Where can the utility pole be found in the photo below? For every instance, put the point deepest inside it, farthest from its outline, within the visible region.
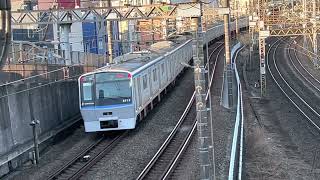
(5, 31)
(165, 28)
(262, 48)
(304, 5)
(315, 41)
(101, 33)
(228, 67)
(237, 17)
(201, 105)
(110, 35)
(65, 29)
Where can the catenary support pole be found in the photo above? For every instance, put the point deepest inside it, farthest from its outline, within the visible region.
(304, 6)
(228, 66)
(110, 35)
(314, 37)
(201, 106)
(5, 30)
(263, 81)
(237, 18)
(65, 42)
(262, 53)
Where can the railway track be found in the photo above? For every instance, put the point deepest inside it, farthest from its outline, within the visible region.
(168, 155)
(81, 163)
(302, 71)
(306, 108)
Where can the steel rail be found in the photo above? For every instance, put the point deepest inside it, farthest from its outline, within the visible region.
(308, 73)
(184, 146)
(162, 148)
(213, 71)
(170, 168)
(78, 173)
(93, 160)
(284, 92)
(175, 161)
(99, 156)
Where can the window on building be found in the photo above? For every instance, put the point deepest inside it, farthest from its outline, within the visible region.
(100, 44)
(87, 47)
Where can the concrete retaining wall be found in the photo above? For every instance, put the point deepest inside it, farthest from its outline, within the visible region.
(53, 105)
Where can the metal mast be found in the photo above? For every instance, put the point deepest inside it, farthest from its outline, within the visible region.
(262, 48)
(314, 37)
(227, 68)
(110, 35)
(200, 88)
(5, 30)
(304, 6)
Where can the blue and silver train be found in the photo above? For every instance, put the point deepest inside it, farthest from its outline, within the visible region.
(117, 96)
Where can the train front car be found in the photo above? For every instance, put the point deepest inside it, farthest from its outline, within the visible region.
(106, 101)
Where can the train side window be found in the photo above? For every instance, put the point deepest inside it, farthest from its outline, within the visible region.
(154, 75)
(145, 82)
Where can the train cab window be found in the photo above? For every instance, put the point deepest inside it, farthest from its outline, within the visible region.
(86, 87)
(154, 72)
(145, 82)
(112, 88)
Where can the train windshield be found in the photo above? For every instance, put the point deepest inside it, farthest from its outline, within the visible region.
(109, 88)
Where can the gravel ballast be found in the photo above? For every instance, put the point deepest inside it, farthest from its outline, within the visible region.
(279, 144)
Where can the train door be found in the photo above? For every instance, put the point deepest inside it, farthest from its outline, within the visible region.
(145, 88)
(169, 68)
(150, 82)
(166, 66)
(163, 74)
(172, 67)
(155, 79)
(138, 96)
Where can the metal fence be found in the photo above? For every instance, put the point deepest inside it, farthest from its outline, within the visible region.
(28, 62)
(236, 157)
(29, 53)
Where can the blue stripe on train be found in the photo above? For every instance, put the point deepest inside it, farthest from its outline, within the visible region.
(106, 107)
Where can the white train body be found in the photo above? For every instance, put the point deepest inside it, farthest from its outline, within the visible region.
(113, 98)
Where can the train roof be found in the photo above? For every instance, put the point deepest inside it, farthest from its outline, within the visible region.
(132, 62)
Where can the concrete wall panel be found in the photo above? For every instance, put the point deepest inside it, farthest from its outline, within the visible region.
(53, 105)
(5, 126)
(19, 114)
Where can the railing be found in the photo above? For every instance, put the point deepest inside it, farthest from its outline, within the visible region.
(35, 63)
(28, 53)
(236, 157)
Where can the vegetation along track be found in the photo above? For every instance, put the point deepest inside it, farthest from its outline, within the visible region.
(288, 90)
(166, 158)
(81, 163)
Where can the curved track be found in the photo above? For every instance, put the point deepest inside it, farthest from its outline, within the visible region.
(296, 96)
(303, 72)
(165, 160)
(81, 163)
